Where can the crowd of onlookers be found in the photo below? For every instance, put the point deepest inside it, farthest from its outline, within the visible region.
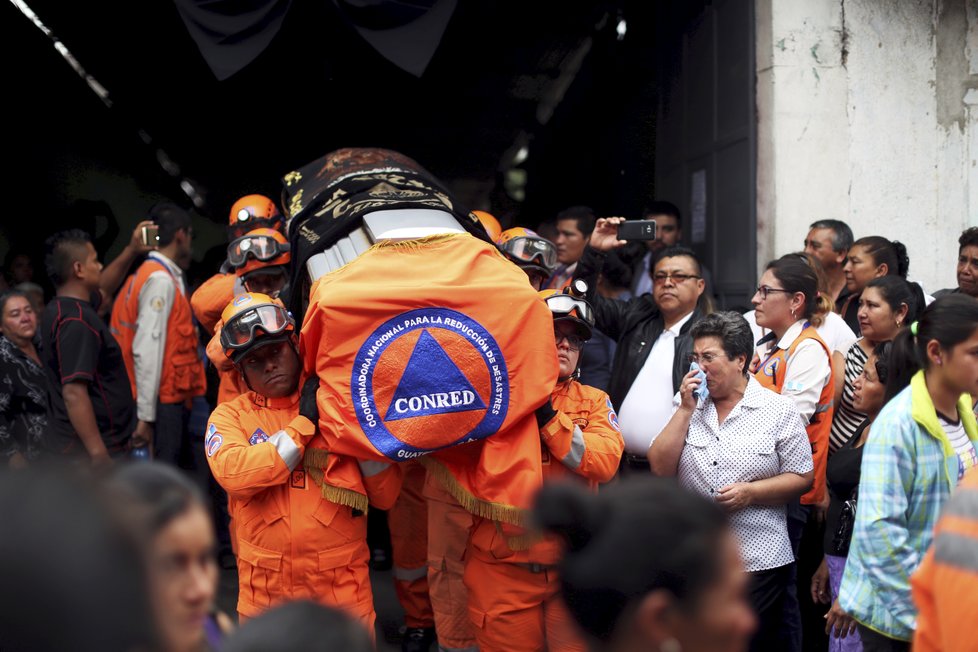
(818, 439)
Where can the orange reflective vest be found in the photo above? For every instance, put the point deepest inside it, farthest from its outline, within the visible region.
(582, 442)
(771, 374)
(293, 507)
(211, 298)
(944, 587)
(182, 376)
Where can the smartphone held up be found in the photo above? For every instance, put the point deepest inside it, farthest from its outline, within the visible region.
(150, 235)
(636, 230)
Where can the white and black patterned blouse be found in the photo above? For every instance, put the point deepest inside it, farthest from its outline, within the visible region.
(847, 419)
(23, 403)
(762, 437)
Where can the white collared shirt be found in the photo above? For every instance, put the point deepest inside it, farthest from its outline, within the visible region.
(647, 406)
(807, 371)
(762, 437)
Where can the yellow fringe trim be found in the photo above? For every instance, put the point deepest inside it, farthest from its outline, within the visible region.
(314, 462)
(521, 541)
(482, 508)
(415, 244)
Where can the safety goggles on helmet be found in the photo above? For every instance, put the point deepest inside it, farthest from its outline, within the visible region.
(259, 247)
(531, 250)
(240, 332)
(565, 305)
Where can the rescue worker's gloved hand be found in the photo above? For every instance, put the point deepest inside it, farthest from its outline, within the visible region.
(545, 413)
(307, 400)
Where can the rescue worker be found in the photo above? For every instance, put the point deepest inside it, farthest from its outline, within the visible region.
(448, 522)
(408, 523)
(260, 261)
(510, 574)
(298, 511)
(534, 255)
(153, 323)
(247, 214)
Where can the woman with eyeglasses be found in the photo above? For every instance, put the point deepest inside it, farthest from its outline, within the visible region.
(511, 575)
(793, 360)
(886, 305)
(842, 481)
(745, 447)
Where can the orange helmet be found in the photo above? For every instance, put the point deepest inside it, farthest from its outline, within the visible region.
(489, 223)
(528, 250)
(258, 249)
(251, 320)
(251, 212)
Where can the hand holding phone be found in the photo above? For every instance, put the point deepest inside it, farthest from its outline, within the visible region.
(636, 230)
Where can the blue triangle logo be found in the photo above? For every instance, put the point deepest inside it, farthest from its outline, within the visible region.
(432, 384)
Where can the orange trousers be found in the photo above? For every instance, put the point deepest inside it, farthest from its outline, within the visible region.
(515, 609)
(408, 522)
(448, 532)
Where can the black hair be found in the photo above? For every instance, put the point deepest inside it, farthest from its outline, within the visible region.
(796, 274)
(674, 252)
(171, 219)
(61, 251)
(882, 354)
(896, 292)
(663, 208)
(637, 536)
(73, 579)
(300, 626)
(969, 238)
(732, 330)
(7, 295)
(893, 254)
(950, 320)
(155, 494)
(841, 233)
(583, 215)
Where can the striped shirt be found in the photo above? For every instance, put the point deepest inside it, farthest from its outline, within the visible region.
(847, 418)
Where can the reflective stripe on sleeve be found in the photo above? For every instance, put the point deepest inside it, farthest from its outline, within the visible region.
(576, 454)
(957, 550)
(370, 468)
(409, 574)
(286, 448)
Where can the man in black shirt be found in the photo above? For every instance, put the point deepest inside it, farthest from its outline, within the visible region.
(92, 408)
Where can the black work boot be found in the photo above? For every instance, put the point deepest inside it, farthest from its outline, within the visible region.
(418, 639)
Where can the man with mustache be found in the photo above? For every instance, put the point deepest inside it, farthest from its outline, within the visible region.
(652, 333)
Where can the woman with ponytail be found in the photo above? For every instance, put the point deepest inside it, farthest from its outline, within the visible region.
(886, 305)
(870, 257)
(649, 566)
(922, 443)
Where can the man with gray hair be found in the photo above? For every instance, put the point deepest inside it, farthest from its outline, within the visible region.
(829, 241)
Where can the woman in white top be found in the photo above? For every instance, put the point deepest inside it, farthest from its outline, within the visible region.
(886, 305)
(745, 447)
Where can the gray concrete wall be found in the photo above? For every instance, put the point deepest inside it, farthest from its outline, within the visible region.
(868, 112)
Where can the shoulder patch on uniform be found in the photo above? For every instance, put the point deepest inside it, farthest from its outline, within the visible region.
(257, 437)
(156, 303)
(613, 416)
(214, 444)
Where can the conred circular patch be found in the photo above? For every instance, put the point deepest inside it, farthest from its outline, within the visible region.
(427, 379)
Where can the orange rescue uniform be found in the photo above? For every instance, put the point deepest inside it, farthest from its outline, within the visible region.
(212, 297)
(945, 586)
(182, 376)
(819, 426)
(292, 542)
(448, 532)
(408, 522)
(513, 595)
